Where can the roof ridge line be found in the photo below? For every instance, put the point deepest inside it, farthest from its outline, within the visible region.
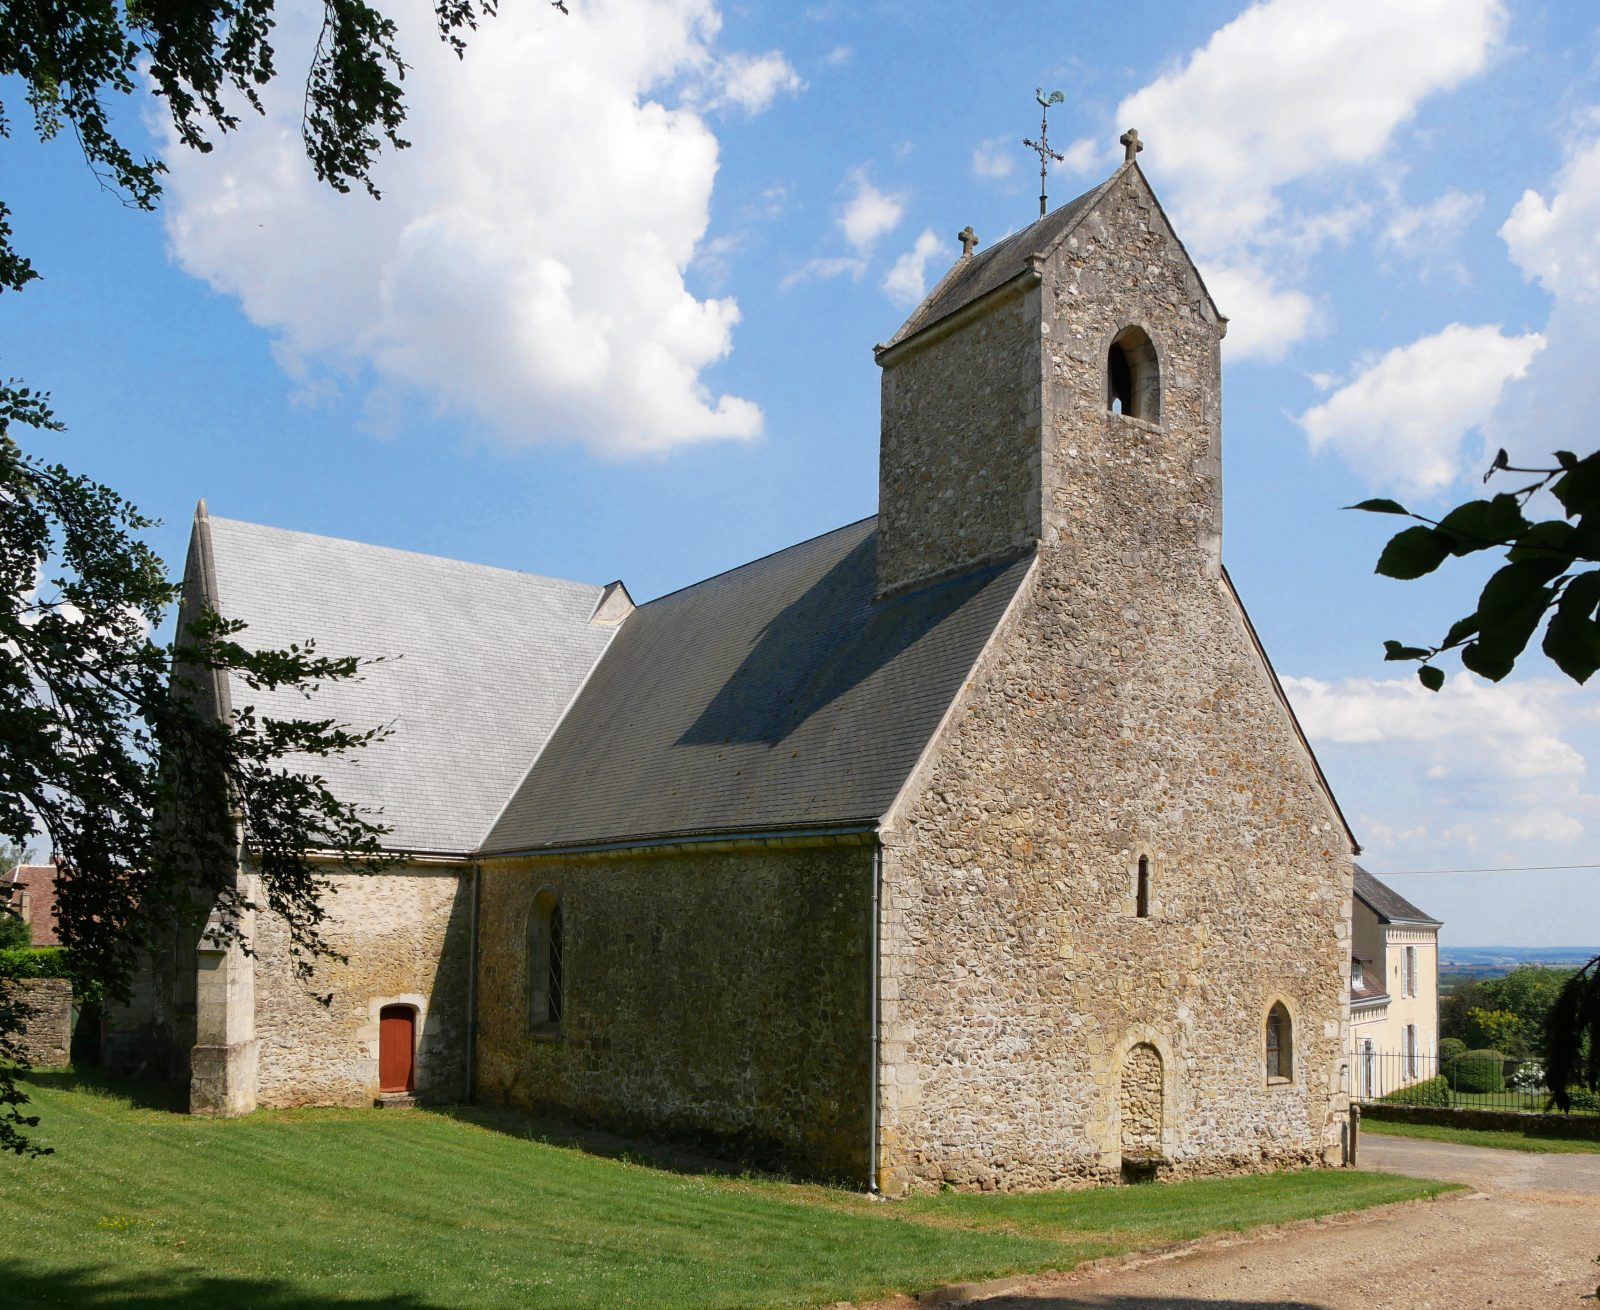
(751, 563)
(401, 550)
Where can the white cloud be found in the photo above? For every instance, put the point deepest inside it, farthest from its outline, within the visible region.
(1292, 91)
(869, 213)
(907, 281)
(825, 268)
(1441, 772)
(526, 263)
(1265, 319)
(1292, 86)
(995, 157)
(1423, 231)
(1512, 727)
(838, 57)
(1402, 420)
(753, 82)
(1557, 241)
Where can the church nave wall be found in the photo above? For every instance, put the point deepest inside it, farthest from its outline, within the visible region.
(717, 998)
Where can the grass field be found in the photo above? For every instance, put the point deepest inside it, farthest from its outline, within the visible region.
(142, 1208)
(1502, 1140)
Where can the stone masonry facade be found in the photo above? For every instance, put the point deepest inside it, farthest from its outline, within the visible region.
(1122, 710)
(44, 1037)
(719, 999)
(407, 938)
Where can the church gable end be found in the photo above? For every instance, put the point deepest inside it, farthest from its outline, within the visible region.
(1118, 855)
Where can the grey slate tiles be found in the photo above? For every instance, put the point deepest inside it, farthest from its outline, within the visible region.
(482, 663)
(775, 696)
(1385, 902)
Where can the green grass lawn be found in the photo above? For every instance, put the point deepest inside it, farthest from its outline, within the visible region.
(141, 1208)
(1504, 1140)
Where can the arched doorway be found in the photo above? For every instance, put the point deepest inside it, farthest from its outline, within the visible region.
(397, 1044)
(1140, 1102)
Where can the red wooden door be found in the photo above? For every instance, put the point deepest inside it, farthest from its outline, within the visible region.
(396, 1042)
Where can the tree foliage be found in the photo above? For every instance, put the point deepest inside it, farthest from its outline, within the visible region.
(115, 749)
(204, 57)
(113, 745)
(1549, 575)
(1550, 578)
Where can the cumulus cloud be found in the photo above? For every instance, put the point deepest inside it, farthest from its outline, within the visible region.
(907, 281)
(753, 82)
(1475, 762)
(1289, 91)
(1553, 241)
(1266, 318)
(995, 157)
(1401, 422)
(527, 261)
(1557, 241)
(869, 213)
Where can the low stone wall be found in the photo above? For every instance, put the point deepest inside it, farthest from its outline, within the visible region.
(45, 1033)
(1585, 1127)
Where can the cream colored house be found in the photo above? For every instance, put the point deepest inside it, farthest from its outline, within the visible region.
(1394, 989)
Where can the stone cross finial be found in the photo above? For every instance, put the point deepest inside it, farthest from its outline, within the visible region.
(1131, 145)
(968, 239)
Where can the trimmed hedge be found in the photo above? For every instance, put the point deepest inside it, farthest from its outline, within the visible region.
(1430, 1091)
(1479, 1071)
(1450, 1050)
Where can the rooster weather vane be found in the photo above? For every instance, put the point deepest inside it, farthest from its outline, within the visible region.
(1042, 145)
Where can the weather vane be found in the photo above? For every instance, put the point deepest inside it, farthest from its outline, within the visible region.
(1042, 145)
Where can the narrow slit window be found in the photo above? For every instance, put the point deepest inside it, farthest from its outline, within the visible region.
(1280, 1045)
(1142, 902)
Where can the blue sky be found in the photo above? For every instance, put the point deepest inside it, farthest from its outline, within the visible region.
(614, 317)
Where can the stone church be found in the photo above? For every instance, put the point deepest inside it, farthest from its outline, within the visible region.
(975, 843)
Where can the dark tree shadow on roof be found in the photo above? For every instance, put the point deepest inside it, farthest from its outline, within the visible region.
(825, 644)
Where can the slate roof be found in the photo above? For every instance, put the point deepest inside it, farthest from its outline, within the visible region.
(1385, 902)
(976, 275)
(484, 661)
(775, 696)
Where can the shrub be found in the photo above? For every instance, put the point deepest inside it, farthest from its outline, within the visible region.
(14, 929)
(1450, 1050)
(1584, 1101)
(1430, 1091)
(35, 962)
(1479, 1071)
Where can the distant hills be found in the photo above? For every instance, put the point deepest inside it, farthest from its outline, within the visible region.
(1490, 960)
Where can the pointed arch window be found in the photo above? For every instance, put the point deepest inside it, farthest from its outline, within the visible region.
(1133, 376)
(546, 965)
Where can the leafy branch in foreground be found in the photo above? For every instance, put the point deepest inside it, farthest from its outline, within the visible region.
(1546, 572)
(1572, 1037)
(115, 748)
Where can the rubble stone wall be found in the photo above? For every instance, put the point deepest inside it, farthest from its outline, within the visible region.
(1123, 710)
(45, 1035)
(720, 999)
(958, 475)
(406, 933)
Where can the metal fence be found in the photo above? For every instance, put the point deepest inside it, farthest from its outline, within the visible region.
(1475, 1081)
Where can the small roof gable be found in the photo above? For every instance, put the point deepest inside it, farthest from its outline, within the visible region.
(1385, 902)
(481, 663)
(777, 696)
(974, 276)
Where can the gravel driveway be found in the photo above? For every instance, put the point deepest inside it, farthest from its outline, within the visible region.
(1525, 1239)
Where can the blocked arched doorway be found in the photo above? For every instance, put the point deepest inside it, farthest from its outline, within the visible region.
(1140, 1100)
(397, 1045)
